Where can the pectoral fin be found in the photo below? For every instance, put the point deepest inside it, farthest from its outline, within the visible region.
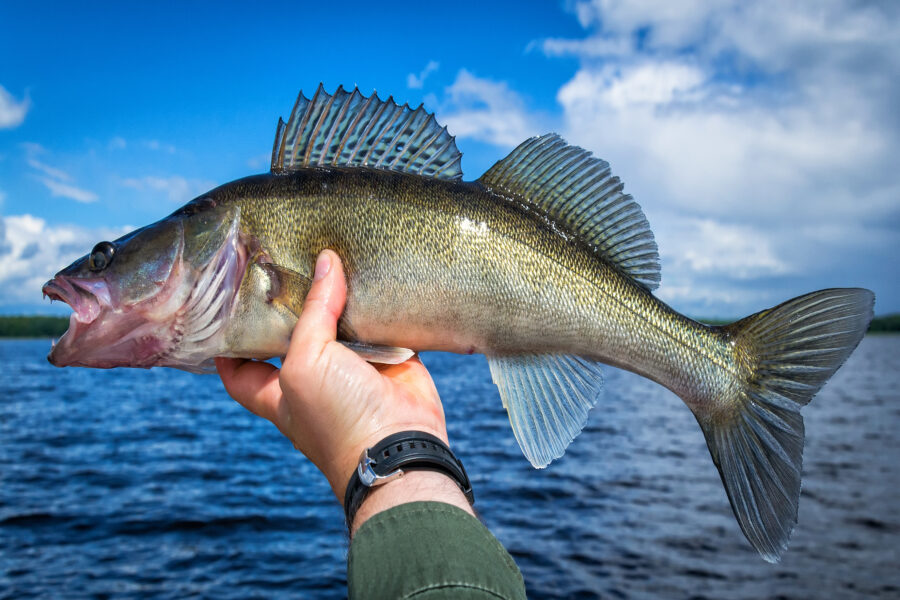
(386, 355)
(289, 288)
(286, 287)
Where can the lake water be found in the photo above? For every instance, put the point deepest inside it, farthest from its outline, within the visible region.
(132, 484)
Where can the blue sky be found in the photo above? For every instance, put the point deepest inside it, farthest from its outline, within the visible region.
(760, 138)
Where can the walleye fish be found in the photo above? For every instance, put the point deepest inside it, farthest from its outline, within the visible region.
(544, 265)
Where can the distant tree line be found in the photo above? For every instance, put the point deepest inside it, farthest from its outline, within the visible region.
(885, 324)
(45, 326)
(33, 327)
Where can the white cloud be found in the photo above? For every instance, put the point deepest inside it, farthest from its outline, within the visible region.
(46, 169)
(32, 149)
(31, 251)
(65, 190)
(159, 146)
(760, 138)
(54, 179)
(260, 161)
(416, 82)
(12, 111)
(486, 110)
(707, 247)
(672, 23)
(177, 189)
(650, 84)
(593, 46)
(120, 143)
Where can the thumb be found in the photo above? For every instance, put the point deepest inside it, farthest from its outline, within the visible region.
(324, 304)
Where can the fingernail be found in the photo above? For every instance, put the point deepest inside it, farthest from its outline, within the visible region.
(323, 265)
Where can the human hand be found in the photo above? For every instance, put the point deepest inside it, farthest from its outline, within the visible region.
(327, 400)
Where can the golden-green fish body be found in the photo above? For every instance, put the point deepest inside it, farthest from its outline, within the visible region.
(543, 265)
(438, 265)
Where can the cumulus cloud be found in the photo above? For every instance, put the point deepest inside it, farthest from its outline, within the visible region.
(486, 110)
(416, 82)
(12, 111)
(760, 138)
(177, 189)
(31, 251)
(707, 247)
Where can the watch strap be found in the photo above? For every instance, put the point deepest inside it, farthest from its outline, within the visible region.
(397, 453)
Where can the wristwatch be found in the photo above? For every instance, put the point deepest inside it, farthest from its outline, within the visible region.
(391, 457)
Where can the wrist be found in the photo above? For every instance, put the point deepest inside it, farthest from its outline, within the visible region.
(344, 466)
(395, 457)
(413, 486)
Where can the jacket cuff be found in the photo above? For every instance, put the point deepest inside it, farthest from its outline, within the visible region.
(429, 550)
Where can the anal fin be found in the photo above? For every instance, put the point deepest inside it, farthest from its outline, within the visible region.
(547, 397)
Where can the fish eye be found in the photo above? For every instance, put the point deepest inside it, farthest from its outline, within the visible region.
(101, 256)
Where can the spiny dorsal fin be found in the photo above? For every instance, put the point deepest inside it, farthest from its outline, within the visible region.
(348, 129)
(579, 192)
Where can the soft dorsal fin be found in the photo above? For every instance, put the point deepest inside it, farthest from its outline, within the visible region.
(348, 129)
(579, 192)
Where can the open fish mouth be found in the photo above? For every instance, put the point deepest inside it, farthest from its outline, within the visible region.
(103, 335)
(87, 298)
(99, 335)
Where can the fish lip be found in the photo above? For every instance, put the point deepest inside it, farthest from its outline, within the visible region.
(87, 297)
(85, 337)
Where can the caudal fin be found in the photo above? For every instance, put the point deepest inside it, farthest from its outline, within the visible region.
(756, 436)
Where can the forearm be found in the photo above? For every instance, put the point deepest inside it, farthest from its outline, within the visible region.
(429, 550)
(413, 486)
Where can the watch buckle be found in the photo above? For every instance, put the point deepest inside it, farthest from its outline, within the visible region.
(366, 471)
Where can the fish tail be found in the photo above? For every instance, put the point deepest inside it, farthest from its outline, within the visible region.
(755, 432)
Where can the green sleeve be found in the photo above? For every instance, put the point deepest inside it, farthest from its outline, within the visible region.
(430, 551)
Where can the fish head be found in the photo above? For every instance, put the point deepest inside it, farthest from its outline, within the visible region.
(140, 300)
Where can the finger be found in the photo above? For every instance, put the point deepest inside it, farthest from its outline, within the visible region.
(253, 384)
(324, 304)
